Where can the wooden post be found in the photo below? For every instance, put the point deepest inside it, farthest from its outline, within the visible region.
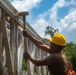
(12, 42)
(14, 46)
(46, 66)
(6, 44)
(1, 67)
(36, 56)
(16, 51)
(28, 62)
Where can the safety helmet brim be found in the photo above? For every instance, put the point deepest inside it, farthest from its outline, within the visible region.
(58, 39)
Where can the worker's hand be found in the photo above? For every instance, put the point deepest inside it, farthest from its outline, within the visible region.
(26, 55)
(25, 33)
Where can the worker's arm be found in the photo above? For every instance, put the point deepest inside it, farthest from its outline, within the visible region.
(39, 62)
(37, 42)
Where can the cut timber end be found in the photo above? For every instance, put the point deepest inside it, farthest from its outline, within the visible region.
(23, 13)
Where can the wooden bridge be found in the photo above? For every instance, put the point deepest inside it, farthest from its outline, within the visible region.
(12, 44)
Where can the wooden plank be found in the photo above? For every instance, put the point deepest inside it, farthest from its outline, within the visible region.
(46, 66)
(16, 51)
(14, 45)
(36, 56)
(28, 62)
(6, 44)
(42, 67)
(1, 67)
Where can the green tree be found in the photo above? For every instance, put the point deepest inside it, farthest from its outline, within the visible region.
(45, 40)
(70, 51)
(51, 31)
(24, 66)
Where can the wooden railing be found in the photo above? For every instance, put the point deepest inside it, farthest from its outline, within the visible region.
(12, 48)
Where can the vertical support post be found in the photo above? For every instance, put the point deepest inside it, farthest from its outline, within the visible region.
(16, 51)
(6, 44)
(36, 55)
(12, 42)
(1, 67)
(46, 66)
(28, 62)
(42, 67)
(14, 46)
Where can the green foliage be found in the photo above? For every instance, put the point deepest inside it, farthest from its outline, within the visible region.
(44, 40)
(73, 61)
(24, 65)
(34, 68)
(70, 51)
(51, 31)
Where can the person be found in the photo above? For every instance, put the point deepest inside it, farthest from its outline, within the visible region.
(71, 72)
(56, 61)
(70, 69)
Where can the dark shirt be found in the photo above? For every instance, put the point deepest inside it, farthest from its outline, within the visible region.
(58, 64)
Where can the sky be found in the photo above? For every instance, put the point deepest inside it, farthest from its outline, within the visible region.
(59, 14)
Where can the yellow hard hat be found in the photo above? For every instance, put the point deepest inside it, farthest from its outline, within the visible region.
(58, 39)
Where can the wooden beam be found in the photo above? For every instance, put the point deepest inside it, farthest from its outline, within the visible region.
(6, 44)
(36, 56)
(14, 46)
(16, 51)
(28, 62)
(1, 67)
(12, 42)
